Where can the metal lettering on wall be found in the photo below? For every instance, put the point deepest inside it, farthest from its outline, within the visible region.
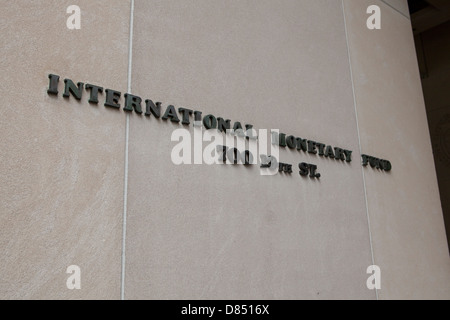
(135, 103)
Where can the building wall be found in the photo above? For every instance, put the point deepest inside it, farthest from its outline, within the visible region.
(406, 220)
(62, 164)
(72, 171)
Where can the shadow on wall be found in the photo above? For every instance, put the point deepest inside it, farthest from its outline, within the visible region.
(431, 26)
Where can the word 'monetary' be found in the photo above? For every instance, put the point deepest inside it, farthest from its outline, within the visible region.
(311, 147)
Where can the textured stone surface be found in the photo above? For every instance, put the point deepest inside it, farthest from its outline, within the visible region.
(215, 232)
(61, 160)
(226, 232)
(405, 214)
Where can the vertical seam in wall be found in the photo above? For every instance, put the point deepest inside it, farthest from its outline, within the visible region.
(127, 134)
(359, 137)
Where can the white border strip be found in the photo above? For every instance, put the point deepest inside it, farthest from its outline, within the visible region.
(127, 134)
(359, 137)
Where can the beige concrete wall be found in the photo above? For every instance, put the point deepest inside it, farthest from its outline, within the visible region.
(215, 232)
(224, 232)
(62, 161)
(406, 219)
